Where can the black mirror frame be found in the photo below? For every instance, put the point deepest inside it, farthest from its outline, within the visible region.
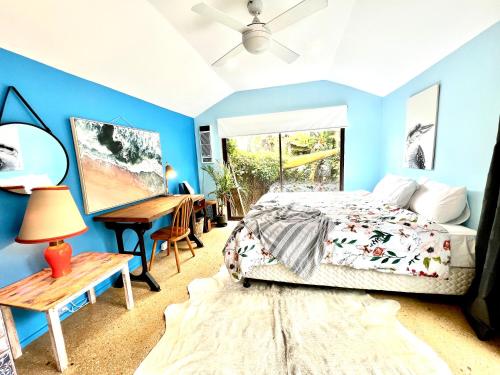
(53, 136)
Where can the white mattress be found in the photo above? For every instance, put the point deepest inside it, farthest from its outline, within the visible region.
(463, 243)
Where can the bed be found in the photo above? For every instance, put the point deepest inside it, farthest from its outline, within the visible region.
(363, 249)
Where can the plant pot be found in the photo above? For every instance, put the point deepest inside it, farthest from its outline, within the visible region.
(221, 221)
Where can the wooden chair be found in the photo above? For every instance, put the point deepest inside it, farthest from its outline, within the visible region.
(179, 230)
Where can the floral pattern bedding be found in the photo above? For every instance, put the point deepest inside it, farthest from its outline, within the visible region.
(367, 234)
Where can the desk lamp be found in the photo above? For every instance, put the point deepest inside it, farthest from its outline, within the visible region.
(169, 173)
(51, 216)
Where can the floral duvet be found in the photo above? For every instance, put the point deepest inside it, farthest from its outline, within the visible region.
(366, 234)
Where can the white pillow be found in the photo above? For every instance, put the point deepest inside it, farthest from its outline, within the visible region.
(396, 190)
(441, 203)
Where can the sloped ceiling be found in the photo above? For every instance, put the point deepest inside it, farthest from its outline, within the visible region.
(123, 44)
(160, 51)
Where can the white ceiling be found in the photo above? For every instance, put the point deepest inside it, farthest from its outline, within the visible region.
(372, 45)
(123, 44)
(160, 51)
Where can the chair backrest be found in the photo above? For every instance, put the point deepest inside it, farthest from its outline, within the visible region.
(182, 217)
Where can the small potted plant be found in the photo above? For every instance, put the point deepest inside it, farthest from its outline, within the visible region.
(224, 185)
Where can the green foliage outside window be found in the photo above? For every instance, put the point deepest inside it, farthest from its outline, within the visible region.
(257, 167)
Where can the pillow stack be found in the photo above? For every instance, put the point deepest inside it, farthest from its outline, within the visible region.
(441, 203)
(395, 190)
(433, 200)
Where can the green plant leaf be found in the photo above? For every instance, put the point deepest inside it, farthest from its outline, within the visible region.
(437, 259)
(375, 258)
(391, 253)
(385, 260)
(395, 261)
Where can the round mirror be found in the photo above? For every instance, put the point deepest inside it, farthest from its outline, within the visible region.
(30, 157)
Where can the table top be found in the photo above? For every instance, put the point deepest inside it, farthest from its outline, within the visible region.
(42, 292)
(147, 211)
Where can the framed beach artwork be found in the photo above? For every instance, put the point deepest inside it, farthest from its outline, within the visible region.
(117, 164)
(421, 123)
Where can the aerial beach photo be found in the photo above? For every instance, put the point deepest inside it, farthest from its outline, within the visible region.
(117, 164)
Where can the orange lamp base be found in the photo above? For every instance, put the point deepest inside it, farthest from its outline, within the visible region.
(58, 256)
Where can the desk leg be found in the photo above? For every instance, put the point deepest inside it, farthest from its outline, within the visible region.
(139, 229)
(129, 298)
(57, 339)
(192, 235)
(11, 332)
(205, 219)
(91, 295)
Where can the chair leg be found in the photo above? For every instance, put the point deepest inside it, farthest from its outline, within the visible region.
(155, 243)
(168, 248)
(176, 250)
(190, 245)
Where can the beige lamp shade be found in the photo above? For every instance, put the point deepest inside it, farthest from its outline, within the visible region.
(51, 215)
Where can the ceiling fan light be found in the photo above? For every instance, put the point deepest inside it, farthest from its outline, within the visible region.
(257, 41)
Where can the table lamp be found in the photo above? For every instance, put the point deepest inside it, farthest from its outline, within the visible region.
(51, 216)
(169, 173)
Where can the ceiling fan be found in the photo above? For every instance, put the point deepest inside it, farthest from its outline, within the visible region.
(257, 36)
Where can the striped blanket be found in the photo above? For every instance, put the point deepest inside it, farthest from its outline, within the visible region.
(293, 234)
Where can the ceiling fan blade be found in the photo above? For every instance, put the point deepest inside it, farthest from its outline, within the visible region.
(284, 53)
(236, 50)
(296, 13)
(218, 16)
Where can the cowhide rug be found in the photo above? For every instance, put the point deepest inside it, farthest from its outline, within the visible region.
(281, 329)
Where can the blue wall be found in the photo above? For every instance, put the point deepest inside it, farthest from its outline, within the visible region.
(469, 109)
(363, 136)
(57, 96)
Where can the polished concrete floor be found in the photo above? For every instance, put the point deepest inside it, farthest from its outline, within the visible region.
(105, 338)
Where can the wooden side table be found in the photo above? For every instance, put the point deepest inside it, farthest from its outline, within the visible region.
(41, 292)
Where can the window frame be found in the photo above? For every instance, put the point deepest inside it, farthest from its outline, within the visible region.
(341, 166)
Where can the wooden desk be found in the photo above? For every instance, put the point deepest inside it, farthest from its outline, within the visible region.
(139, 218)
(41, 292)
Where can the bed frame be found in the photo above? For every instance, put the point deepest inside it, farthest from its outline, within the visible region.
(458, 282)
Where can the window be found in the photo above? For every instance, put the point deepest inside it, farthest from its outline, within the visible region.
(291, 161)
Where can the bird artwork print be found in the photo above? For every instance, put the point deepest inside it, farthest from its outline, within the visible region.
(414, 151)
(421, 123)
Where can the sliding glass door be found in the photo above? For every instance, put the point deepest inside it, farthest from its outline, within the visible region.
(255, 162)
(292, 161)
